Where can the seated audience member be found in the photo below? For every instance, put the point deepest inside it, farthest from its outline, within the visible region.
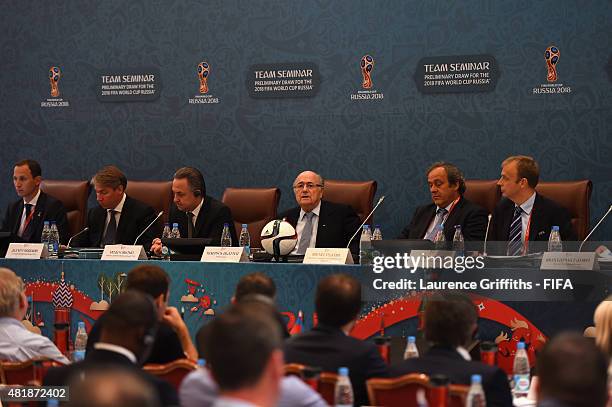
(125, 341)
(572, 372)
(450, 324)
(320, 223)
(118, 219)
(603, 326)
(172, 339)
(525, 216)
(25, 218)
(16, 342)
(448, 208)
(329, 345)
(197, 214)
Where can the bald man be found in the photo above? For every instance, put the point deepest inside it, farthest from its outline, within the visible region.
(320, 223)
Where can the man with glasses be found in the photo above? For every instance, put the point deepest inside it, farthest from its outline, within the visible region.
(320, 223)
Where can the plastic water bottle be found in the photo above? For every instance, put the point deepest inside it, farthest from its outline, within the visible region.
(411, 348)
(53, 240)
(377, 234)
(201, 363)
(554, 240)
(421, 398)
(80, 343)
(439, 238)
(458, 241)
(175, 233)
(476, 396)
(365, 246)
(343, 392)
(44, 237)
(226, 237)
(520, 371)
(166, 234)
(245, 239)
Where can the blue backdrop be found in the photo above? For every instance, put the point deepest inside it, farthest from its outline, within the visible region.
(247, 142)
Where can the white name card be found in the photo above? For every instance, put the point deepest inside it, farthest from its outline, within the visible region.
(27, 251)
(214, 254)
(569, 261)
(123, 252)
(328, 256)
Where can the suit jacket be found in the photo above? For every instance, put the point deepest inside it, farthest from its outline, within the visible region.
(337, 223)
(448, 362)
(329, 348)
(99, 359)
(471, 217)
(135, 217)
(47, 208)
(544, 215)
(209, 223)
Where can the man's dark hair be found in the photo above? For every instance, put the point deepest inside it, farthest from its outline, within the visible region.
(194, 178)
(238, 344)
(148, 279)
(453, 174)
(255, 283)
(572, 370)
(34, 167)
(130, 311)
(450, 318)
(338, 300)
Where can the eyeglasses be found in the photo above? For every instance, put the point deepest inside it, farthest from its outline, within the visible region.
(308, 185)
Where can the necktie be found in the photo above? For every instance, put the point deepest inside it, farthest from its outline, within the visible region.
(111, 229)
(515, 241)
(26, 221)
(306, 234)
(440, 214)
(189, 224)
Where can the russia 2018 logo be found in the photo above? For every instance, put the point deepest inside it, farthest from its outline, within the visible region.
(367, 91)
(54, 76)
(367, 65)
(203, 72)
(552, 55)
(203, 96)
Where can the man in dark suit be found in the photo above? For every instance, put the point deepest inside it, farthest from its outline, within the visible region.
(329, 345)
(525, 216)
(119, 219)
(197, 214)
(320, 223)
(449, 208)
(126, 339)
(450, 324)
(24, 218)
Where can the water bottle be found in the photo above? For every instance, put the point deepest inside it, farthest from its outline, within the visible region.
(201, 363)
(458, 241)
(53, 240)
(411, 348)
(365, 246)
(44, 237)
(166, 234)
(476, 396)
(377, 234)
(421, 398)
(343, 392)
(520, 371)
(554, 240)
(175, 233)
(245, 239)
(80, 343)
(226, 237)
(439, 238)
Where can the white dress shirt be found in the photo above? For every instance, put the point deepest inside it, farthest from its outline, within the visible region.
(32, 202)
(18, 344)
(433, 221)
(299, 228)
(527, 207)
(117, 349)
(118, 210)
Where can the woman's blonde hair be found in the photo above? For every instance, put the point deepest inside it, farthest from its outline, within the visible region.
(11, 287)
(603, 326)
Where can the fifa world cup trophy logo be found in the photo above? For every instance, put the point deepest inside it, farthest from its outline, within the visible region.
(552, 56)
(367, 64)
(203, 72)
(54, 76)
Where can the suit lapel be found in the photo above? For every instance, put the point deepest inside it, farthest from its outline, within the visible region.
(428, 215)
(450, 222)
(17, 217)
(123, 219)
(39, 214)
(535, 223)
(324, 215)
(204, 210)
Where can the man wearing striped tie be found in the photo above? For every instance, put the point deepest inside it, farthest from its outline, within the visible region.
(524, 215)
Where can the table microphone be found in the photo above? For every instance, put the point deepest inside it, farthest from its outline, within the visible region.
(73, 236)
(150, 224)
(382, 198)
(593, 230)
(484, 249)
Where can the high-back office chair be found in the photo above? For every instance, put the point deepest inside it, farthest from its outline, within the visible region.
(156, 194)
(73, 195)
(358, 194)
(575, 197)
(485, 193)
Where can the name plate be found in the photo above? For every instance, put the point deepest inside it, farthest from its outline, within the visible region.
(328, 256)
(27, 251)
(123, 252)
(214, 254)
(569, 261)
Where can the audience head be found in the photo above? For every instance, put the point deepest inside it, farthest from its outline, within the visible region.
(255, 283)
(338, 300)
(519, 176)
(308, 189)
(109, 184)
(573, 371)
(446, 183)
(13, 301)
(188, 188)
(451, 319)
(27, 177)
(603, 326)
(152, 280)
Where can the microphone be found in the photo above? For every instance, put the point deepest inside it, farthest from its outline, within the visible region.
(382, 198)
(150, 224)
(484, 249)
(596, 226)
(73, 236)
